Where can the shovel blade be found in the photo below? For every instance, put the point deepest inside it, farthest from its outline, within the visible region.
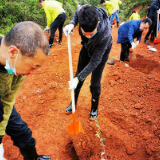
(75, 128)
(156, 40)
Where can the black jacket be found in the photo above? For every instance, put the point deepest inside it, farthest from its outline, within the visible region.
(98, 44)
(153, 9)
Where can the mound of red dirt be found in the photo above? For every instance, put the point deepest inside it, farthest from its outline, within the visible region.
(129, 109)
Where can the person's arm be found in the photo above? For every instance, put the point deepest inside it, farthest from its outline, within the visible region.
(1, 110)
(8, 99)
(95, 59)
(48, 16)
(155, 5)
(131, 17)
(74, 20)
(130, 34)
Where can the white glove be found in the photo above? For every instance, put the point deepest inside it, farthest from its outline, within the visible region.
(68, 29)
(47, 28)
(1, 151)
(158, 11)
(74, 83)
(137, 43)
(133, 45)
(113, 11)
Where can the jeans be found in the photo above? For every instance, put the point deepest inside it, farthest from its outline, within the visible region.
(58, 24)
(18, 130)
(113, 15)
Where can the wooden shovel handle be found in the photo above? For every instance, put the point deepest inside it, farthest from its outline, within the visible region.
(71, 72)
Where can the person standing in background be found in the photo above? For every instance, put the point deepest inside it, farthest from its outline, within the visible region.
(134, 16)
(115, 12)
(152, 14)
(55, 18)
(126, 34)
(109, 7)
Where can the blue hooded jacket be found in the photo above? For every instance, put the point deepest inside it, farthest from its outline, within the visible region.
(128, 31)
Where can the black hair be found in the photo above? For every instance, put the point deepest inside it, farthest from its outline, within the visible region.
(28, 37)
(40, 1)
(88, 18)
(133, 11)
(147, 20)
(102, 1)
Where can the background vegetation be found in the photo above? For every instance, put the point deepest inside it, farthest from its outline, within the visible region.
(13, 11)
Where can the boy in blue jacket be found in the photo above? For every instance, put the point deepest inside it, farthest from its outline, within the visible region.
(127, 32)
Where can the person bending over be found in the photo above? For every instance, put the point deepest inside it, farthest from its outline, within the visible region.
(95, 32)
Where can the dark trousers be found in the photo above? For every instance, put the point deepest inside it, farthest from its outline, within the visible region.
(18, 130)
(84, 59)
(125, 50)
(152, 30)
(58, 24)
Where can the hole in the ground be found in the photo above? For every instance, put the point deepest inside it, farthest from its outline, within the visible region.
(71, 151)
(143, 65)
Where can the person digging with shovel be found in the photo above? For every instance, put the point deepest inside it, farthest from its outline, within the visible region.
(20, 53)
(126, 34)
(95, 32)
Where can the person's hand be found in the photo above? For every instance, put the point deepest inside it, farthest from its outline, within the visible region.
(47, 28)
(133, 45)
(137, 43)
(158, 11)
(113, 11)
(74, 83)
(1, 151)
(1, 111)
(68, 29)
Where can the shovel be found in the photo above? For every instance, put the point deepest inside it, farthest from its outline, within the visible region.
(76, 126)
(157, 40)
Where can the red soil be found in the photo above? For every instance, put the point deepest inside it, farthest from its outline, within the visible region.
(129, 109)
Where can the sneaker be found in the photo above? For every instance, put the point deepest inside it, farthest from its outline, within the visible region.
(50, 45)
(112, 62)
(59, 41)
(146, 41)
(126, 58)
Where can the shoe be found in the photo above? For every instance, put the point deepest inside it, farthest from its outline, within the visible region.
(50, 45)
(59, 41)
(121, 61)
(111, 62)
(30, 153)
(69, 108)
(43, 157)
(94, 109)
(146, 41)
(51, 42)
(126, 58)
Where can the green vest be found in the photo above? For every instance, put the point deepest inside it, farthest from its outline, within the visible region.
(9, 86)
